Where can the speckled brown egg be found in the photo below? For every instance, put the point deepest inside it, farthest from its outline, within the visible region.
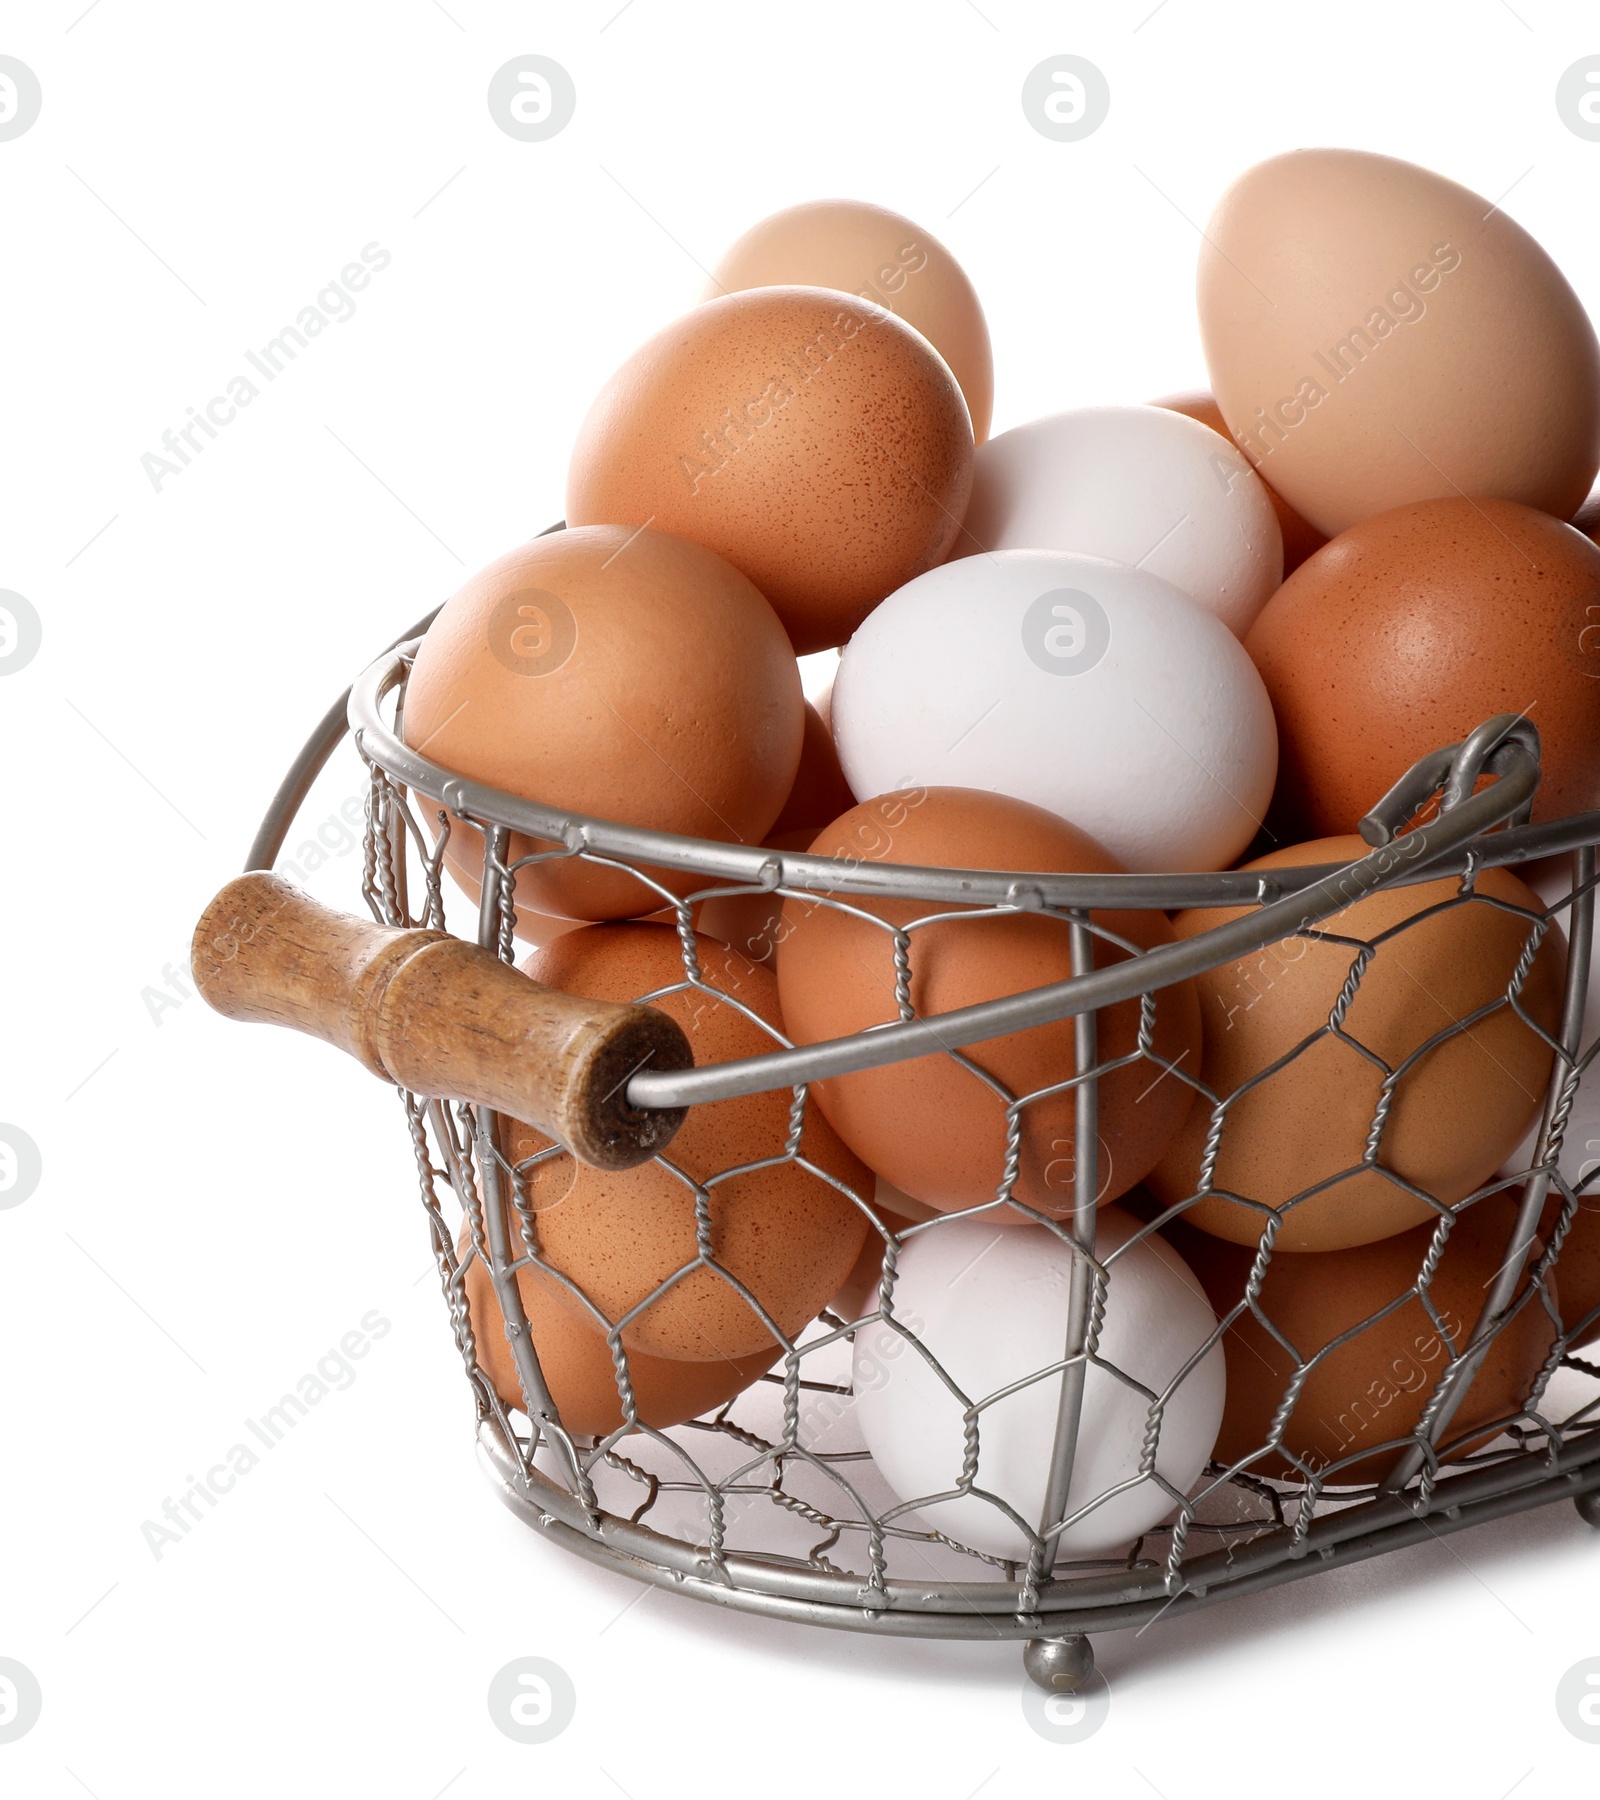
(813, 439)
(575, 1360)
(628, 675)
(1294, 1142)
(1372, 1390)
(1409, 630)
(932, 1126)
(875, 255)
(1300, 536)
(786, 1234)
(1376, 334)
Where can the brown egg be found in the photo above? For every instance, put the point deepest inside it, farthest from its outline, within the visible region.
(1376, 334)
(824, 704)
(1456, 1114)
(535, 929)
(1375, 1388)
(931, 1126)
(888, 1199)
(751, 923)
(876, 255)
(575, 1360)
(629, 675)
(1300, 537)
(859, 1294)
(786, 1234)
(814, 440)
(1407, 631)
(1587, 518)
(820, 792)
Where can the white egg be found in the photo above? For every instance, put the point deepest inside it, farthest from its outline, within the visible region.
(1142, 486)
(1098, 692)
(990, 1303)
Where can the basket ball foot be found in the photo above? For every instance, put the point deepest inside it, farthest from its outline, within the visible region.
(1588, 1506)
(1064, 1665)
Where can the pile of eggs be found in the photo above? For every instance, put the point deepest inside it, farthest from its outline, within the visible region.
(1199, 634)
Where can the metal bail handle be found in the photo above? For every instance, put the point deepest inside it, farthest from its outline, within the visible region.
(441, 1017)
(1453, 773)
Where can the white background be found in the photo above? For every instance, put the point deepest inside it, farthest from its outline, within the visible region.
(221, 1205)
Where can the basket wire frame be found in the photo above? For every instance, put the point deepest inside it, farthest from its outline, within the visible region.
(749, 1506)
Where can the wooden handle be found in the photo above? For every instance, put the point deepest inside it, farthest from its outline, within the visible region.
(440, 1016)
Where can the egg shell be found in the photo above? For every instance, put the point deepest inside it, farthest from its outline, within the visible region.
(1152, 732)
(628, 675)
(820, 792)
(991, 1307)
(786, 1234)
(814, 440)
(876, 255)
(1408, 631)
(752, 923)
(1376, 334)
(1300, 537)
(932, 1126)
(824, 702)
(463, 862)
(1455, 1114)
(1139, 485)
(887, 1198)
(1374, 1389)
(749, 922)
(575, 1360)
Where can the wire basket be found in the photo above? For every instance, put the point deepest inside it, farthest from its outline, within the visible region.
(769, 1502)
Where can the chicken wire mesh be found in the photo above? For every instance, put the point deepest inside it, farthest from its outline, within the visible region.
(770, 1498)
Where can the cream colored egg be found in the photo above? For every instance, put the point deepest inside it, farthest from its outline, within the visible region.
(1377, 334)
(880, 256)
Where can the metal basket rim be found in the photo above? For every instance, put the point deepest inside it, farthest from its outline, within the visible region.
(761, 867)
(1453, 840)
